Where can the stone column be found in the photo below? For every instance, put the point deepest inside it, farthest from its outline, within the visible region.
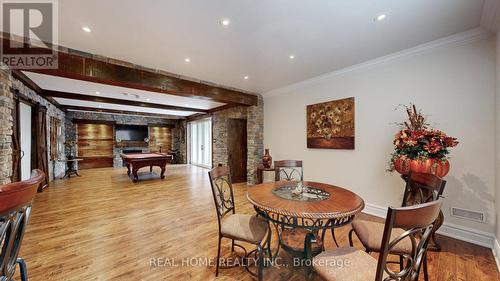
(255, 139)
(6, 105)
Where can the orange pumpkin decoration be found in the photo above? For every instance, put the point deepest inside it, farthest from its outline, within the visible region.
(436, 167)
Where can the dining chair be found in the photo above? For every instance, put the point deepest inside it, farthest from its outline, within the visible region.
(292, 239)
(237, 227)
(288, 170)
(411, 225)
(15, 209)
(420, 188)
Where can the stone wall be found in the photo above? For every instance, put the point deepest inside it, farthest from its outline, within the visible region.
(6, 103)
(219, 135)
(56, 169)
(177, 138)
(179, 142)
(255, 136)
(255, 139)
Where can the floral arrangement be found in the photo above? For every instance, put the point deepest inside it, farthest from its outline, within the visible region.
(417, 141)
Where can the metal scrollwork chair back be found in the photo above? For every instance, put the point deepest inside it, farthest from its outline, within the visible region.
(222, 190)
(418, 223)
(15, 209)
(237, 227)
(289, 170)
(422, 188)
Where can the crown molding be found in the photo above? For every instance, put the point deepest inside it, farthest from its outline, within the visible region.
(490, 18)
(462, 38)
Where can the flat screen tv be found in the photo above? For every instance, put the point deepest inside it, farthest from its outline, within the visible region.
(131, 132)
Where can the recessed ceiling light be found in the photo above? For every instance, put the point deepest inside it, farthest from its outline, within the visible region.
(187, 60)
(291, 57)
(225, 22)
(100, 106)
(380, 17)
(86, 29)
(97, 93)
(148, 99)
(246, 77)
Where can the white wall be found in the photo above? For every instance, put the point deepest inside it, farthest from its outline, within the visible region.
(454, 84)
(497, 103)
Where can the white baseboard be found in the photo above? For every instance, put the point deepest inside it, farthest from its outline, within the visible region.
(375, 210)
(496, 253)
(466, 234)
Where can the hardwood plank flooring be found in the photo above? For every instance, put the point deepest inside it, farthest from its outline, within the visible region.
(101, 226)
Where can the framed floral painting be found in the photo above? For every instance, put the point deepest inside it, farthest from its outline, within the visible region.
(331, 124)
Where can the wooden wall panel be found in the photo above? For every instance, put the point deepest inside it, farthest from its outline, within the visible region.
(95, 162)
(95, 145)
(95, 131)
(91, 148)
(160, 137)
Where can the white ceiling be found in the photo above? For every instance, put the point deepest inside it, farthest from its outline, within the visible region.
(324, 35)
(71, 102)
(48, 82)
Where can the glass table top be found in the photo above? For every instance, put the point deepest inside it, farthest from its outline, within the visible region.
(300, 192)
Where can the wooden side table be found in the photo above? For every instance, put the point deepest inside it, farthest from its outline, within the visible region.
(260, 170)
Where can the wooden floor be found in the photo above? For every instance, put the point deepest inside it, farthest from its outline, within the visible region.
(101, 226)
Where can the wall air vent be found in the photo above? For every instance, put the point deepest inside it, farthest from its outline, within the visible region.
(468, 214)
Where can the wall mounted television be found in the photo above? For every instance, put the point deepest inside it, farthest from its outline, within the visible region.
(131, 132)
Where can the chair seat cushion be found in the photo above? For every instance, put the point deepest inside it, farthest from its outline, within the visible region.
(371, 233)
(244, 227)
(349, 264)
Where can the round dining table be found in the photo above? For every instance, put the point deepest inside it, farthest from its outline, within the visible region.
(312, 206)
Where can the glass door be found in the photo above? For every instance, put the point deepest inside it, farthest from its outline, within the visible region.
(25, 139)
(200, 143)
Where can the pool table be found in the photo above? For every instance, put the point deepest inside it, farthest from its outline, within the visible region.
(136, 161)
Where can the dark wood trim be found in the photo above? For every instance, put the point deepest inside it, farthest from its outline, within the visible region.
(87, 69)
(161, 125)
(222, 107)
(58, 94)
(39, 137)
(199, 116)
(16, 144)
(85, 121)
(21, 97)
(26, 81)
(104, 110)
(195, 117)
(74, 66)
(17, 74)
(92, 162)
(131, 144)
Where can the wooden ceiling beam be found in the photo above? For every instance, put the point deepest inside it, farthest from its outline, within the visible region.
(199, 116)
(32, 85)
(125, 112)
(65, 95)
(86, 68)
